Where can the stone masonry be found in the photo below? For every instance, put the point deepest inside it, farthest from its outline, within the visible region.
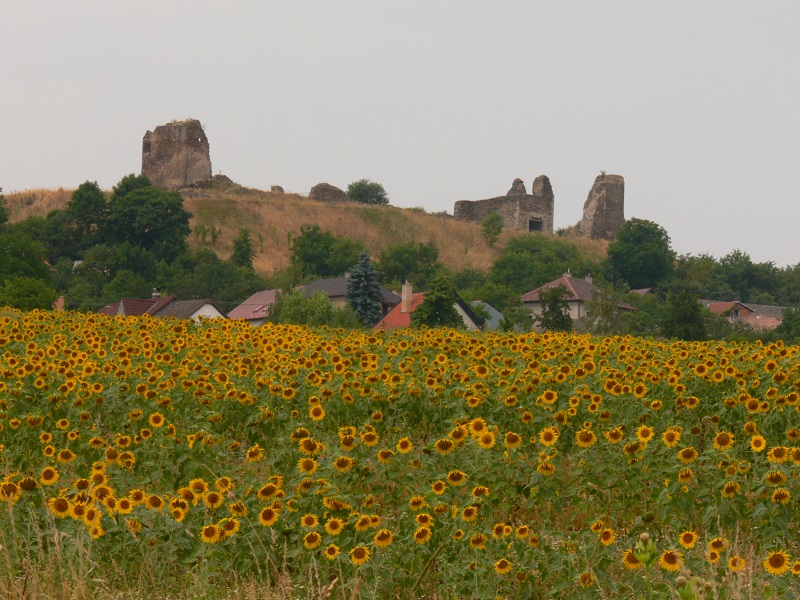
(176, 155)
(604, 209)
(520, 210)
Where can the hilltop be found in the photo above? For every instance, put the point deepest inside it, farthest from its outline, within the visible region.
(219, 212)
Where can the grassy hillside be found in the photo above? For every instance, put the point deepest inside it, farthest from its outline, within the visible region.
(273, 218)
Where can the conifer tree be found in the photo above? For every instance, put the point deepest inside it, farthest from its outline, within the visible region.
(364, 291)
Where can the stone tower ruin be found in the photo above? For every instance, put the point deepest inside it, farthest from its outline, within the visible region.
(604, 209)
(519, 209)
(176, 155)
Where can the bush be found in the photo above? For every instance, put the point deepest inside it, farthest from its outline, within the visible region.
(367, 192)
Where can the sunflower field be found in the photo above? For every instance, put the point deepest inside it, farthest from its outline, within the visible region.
(140, 452)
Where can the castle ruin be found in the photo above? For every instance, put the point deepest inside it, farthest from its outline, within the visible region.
(176, 155)
(603, 211)
(519, 209)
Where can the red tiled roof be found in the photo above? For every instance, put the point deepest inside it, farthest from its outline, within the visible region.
(577, 289)
(396, 318)
(110, 309)
(256, 306)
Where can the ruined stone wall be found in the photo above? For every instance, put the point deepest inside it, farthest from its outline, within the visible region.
(519, 210)
(176, 155)
(604, 209)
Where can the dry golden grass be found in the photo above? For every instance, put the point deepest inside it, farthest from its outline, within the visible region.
(36, 203)
(273, 218)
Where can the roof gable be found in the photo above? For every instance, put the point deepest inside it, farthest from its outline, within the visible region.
(256, 306)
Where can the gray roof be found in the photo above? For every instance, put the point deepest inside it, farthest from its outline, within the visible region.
(495, 316)
(337, 287)
(184, 309)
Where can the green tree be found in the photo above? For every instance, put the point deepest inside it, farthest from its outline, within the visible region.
(530, 261)
(437, 308)
(789, 329)
(322, 254)
(641, 256)
(87, 208)
(555, 309)
(364, 291)
(3, 209)
(492, 227)
(685, 318)
(243, 250)
(21, 256)
(367, 192)
(409, 261)
(27, 293)
(603, 315)
(147, 216)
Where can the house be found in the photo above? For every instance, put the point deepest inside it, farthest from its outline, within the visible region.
(757, 316)
(336, 289)
(492, 323)
(579, 292)
(164, 306)
(400, 315)
(256, 308)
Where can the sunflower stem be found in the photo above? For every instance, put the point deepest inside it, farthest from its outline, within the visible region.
(649, 585)
(425, 568)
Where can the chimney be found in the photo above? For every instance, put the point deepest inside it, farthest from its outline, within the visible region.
(156, 293)
(405, 302)
(588, 277)
(567, 273)
(347, 274)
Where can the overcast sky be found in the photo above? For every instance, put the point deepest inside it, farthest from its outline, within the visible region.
(696, 104)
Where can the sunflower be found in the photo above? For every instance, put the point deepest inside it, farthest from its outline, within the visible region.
(60, 507)
(444, 446)
(49, 476)
(417, 503)
(343, 464)
(546, 468)
(312, 539)
(723, 441)
(307, 465)
(384, 456)
(775, 478)
(688, 455)
(486, 439)
(404, 446)
(316, 412)
(359, 555)
(229, 527)
(687, 539)
(718, 543)
(607, 537)
(438, 487)
(459, 434)
(512, 440)
(796, 568)
(456, 478)
(685, 475)
(502, 566)
(422, 534)
(757, 443)
(549, 436)
(478, 541)
(781, 496)
(334, 526)
(736, 563)
(644, 434)
(213, 500)
(268, 517)
(363, 523)
(477, 426)
(670, 560)
(630, 561)
(586, 579)
(383, 538)
(730, 489)
(210, 534)
(28, 484)
(585, 438)
(778, 454)
(238, 509)
(614, 435)
(671, 438)
(255, 454)
(777, 563)
(480, 490)
(154, 502)
(469, 513)
(309, 521)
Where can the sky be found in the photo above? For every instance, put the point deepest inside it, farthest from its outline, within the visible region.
(696, 104)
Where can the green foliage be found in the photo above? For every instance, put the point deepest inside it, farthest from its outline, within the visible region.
(492, 227)
(409, 261)
(316, 311)
(789, 329)
(3, 209)
(367, 192)
(27, 293)
(322, 254)
(555, 309)
(603, 315)
(437, 309)
(87, 208)
(641, 256)
(147, 216)
(21, 256)
(243, 250)
(364, 291)
(685, 317)
(530, 261)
